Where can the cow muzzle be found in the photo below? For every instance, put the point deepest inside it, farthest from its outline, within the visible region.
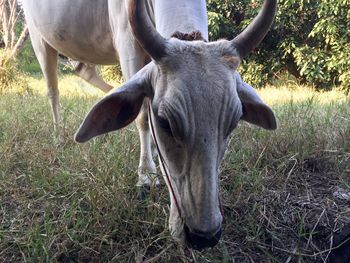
(199, 240)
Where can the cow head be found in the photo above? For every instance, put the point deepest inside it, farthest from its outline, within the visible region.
(196, 100)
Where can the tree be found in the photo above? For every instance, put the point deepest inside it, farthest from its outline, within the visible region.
(13, 31)
(13, 34)
(309, 39)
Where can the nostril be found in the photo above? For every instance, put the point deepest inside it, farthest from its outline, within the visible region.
(199, 240)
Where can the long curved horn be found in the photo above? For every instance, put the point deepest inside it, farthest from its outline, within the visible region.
(146, 34)
(250, 37)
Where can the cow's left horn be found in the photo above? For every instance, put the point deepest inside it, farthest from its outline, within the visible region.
(144, 31)
(247, 40)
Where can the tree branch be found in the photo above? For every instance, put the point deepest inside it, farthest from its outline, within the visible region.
(20, 42)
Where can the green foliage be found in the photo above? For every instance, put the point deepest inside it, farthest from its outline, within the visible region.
(27, 60)
(254, 73)
(112, 73)
(310, 39)
(11, 78)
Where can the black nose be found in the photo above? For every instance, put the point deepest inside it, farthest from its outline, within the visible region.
(200, 241)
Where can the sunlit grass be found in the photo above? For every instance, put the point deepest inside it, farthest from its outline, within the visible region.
(69, 86)
(72, 202)
(294, 93)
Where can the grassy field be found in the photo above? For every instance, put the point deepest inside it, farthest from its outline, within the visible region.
(285, 193)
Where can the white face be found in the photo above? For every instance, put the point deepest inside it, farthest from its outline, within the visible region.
(195, 108)
(197, 100)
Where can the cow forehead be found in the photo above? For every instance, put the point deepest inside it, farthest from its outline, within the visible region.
(203, 110)
(196, 87)
(186, 80)
(197, 63)
(193, 85)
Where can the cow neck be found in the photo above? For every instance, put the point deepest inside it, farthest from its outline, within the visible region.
(163, 163)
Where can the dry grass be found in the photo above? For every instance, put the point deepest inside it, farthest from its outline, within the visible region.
(11, 78)
(77, 203)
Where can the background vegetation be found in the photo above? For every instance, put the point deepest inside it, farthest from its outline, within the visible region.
(310, 40)
(285, 194)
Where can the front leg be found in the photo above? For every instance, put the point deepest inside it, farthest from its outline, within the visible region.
(147, 171)
(132, 58)
(147, 168)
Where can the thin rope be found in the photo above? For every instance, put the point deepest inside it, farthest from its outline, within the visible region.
(163, 163)
(165, 168)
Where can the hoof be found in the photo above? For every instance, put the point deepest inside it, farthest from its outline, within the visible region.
(143, 192)
(341, 247)
(146, 192)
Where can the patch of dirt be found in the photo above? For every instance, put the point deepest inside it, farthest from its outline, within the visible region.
(297, 217)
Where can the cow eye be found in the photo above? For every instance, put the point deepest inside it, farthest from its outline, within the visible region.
(165, 125)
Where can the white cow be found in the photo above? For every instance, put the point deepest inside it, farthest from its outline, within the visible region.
(195, 97)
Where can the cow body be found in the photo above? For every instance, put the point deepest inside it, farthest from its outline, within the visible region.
(98, 33)
(79, 29)
(195, 98)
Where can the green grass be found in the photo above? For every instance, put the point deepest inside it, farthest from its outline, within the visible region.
(78, 203)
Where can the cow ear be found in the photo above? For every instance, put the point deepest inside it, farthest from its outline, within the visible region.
(259, 114)
(114, 111)
(254, 110)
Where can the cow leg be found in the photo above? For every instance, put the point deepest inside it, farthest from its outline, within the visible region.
(47, 57)
(90, 75)
(132, 58)
(147, 168)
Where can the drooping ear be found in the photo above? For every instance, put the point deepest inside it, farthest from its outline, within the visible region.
(116, 110)
(254, 110)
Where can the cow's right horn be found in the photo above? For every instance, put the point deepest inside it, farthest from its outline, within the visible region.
(146, 34)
